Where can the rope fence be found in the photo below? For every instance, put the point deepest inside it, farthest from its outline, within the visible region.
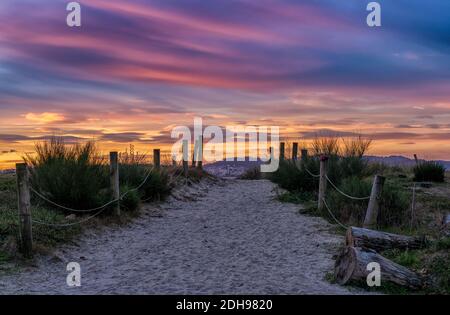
(25, 190)
(373, 206)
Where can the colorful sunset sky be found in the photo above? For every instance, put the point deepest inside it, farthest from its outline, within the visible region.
(135, 69)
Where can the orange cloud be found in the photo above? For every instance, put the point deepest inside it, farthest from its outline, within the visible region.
(45, 118)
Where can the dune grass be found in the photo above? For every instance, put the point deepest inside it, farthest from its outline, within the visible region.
(74, 176)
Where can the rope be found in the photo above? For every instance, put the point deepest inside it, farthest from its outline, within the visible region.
(68, 224)
(93, 209)
(313, 175)
(343, 193)
(70, 209)
(332, 215)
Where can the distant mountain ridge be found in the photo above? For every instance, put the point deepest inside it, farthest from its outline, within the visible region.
(398, 160)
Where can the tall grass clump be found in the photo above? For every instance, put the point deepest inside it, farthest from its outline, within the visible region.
(291, 176)
(71, 175)
(394, 205)
(349, 210)
(328, 146)
(431, 171)
(135, 172)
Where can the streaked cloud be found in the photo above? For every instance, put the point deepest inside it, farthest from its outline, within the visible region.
(135, 68)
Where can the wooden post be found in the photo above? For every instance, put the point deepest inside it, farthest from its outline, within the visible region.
(174, 160)
(294, 151)
(281, 151)
(323, 181)
(185, 157)
(200, 161)
(114, 179)
(157, 158)
(416, 159)
(193, 152)
(24, 205)
(370, 220)
(304, 154)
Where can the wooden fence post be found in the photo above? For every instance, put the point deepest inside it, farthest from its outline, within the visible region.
(294, 151)
(370, 220)
(26, 236)
(304, 154)
(193, 152)
(323, 181)
(200, 161)
(281, 151)
(185, 157)
(114, 180)
(157, 158)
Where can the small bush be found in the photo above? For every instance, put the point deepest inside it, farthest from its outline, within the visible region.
(325, 145)
(352, 166)
(71, 175)
(394, 206)
(133, 175)
(131, 200)
(429, 171)
(157, 185)
(345, 209)
(292, 177)
(253, 173)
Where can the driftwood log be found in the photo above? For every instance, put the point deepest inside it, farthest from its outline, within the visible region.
(378, 241)
(352, 262)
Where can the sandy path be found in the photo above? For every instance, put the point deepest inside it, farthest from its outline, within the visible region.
(235, 238)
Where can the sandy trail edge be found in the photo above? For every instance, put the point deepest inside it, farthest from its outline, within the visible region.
(235, 238)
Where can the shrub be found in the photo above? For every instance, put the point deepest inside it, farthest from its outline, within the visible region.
(355, 147)
(292, 177)
(157, 186)
(71, 175)
(349, 210)
(394, 205)
(131, 200)
(352, 166)
(429, 171)
(325, 145)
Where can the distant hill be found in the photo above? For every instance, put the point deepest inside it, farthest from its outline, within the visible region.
(398, 160)
(236, 168)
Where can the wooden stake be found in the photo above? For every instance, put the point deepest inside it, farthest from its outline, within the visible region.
(185, 157)
(114, 179)
(24, 205)
(281, 151)
(157, 158)
(304, 155)
(200, 161)
(323, 181)
(294, 151)
(370, 220)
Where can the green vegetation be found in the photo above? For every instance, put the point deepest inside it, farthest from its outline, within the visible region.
(432, 262)
(353, 175)
(75, 176)
(429, 171)
(44, 236)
